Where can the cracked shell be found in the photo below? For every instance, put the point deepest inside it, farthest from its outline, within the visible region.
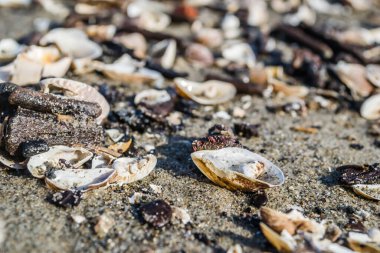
(56, 158)
(211, 92)
(238, 169)
(130, 169)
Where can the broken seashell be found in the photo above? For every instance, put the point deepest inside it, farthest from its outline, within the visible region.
(239, 52)
(288, 90)
(166, 50)
(207, 93)
(238, 169)
(133, 169)
(354, 77)
(121, 147)
(368, 191)
(153, 21)
(199, 54)
(373, 74)
(9, 49)
(134, 41)
(115, 134)
(77, 90)
(231, 26)
(101, 32)
(73, 42)
(79, 179)
(283, 243)
(363, 243)
(210, 37)
(11, 164)
(359, 36)
(55, 158)
(370, 109)
(156, 103)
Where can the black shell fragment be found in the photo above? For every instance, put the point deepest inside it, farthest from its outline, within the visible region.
(360, 174)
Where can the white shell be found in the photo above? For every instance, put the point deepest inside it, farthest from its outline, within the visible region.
(77, 90)
(132, 169)
(354, 77)
(239, 52)
(208, 93)
(73, 42)
(368, 191)
(152, 97)
(238, 169)
(115, 134)
(168, 50)
(135, 41)
(373, 74)
(11, 164)
(371, 108)
(39, 164)
(79, 179)
(9, 48)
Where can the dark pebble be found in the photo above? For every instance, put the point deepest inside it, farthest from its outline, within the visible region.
(65, 198)
(246, 130)
(31, 148)
(356, 146)
(157, 213)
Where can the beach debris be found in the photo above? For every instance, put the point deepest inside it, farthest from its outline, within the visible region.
(181, 214)
(157, 213)
(103, 225)
(65, 198)
(77, 218)
(207, 93)
(364, 179)
(370, 109)
(9, 49)
(238, 169)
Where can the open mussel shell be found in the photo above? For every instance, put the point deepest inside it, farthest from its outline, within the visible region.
(211, 92)
(130, 169)
(238, 169)
(55, 158)
(277, 241)
(370, 109)
(368, 191)
(77, 90)
(79, 179)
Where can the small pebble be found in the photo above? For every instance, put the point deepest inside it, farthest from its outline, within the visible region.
(157, 213)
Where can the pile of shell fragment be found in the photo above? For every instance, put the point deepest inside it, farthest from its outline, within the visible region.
(61, 130)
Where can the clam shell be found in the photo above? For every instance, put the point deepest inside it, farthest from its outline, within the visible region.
(368, 191)
(373, 74)
(208, 93)
(73, 42)
(354, 77)
(278, 241)
(238, 169)
(239, 52)
(39, 164)
(132, 169)
(77, 90)
(370, 109)
(80, 179)
(9, 48)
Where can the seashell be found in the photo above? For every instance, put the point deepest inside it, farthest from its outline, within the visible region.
(152, 97)
(210, 37)
(363, 243)
(153, 21)
(15, 3)
(258, 13)
(134, 41)
(288, 90)
(101, 32)
(207, 93)
(167, 51)
(128, 70)
(370, 109)
(373, 74)
(199, 54)
(239, 52)
(282, 6)
(9, 49)
(368, 191)
(359, 36)
(73, 42)
(231, 26)
(115, 134)
(133, 169)
(79, 179)
(303, 15)
(238, 169)
(11, 164)
(354, 77)
(283, 243)
(77, 90)
(55, 7)
(88, 9)
(121, 147)
(39, 164)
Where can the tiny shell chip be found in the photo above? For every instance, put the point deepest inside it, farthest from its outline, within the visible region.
(278, 241)
(368, 191)
(371, 108)
(79, 179)
(77, 90)
(373, 74)
(132, 169)
(39, 164)
(208, 93)
(238, 169)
